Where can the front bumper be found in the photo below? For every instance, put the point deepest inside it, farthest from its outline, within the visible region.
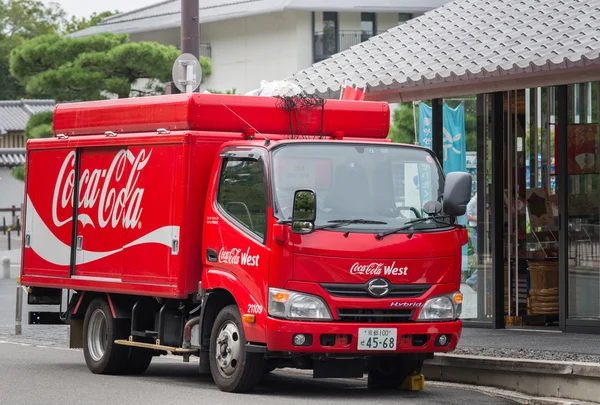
(413, 337)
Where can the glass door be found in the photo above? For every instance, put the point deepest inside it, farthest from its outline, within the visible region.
(531, 233)
(583, 166)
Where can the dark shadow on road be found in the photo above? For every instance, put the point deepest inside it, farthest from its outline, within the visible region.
(289, 385)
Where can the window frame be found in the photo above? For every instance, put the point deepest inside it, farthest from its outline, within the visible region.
(252, 154)
(275, 203)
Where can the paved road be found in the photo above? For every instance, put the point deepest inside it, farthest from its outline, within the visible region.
(37, 375)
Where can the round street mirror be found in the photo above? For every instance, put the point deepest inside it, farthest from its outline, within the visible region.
(187, 73)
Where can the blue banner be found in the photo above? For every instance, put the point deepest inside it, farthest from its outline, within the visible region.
(455, 141)
(425, 125)
(424, 140)
(455, 149)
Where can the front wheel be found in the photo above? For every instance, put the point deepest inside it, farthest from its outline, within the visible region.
(233, 369)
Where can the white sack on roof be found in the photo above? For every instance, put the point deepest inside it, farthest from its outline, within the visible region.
(276, 88)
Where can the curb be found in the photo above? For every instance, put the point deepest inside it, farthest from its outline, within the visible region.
(559, 380)
(517, 397)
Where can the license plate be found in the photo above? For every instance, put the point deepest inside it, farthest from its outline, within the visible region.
(377, 339)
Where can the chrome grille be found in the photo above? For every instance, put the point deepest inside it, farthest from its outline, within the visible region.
(360, 290)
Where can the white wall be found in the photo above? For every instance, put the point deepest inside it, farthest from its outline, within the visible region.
(386, 21)
(11, 190)
(266, 47)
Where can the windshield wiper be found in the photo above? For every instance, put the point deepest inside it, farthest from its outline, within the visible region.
(411, 224)
(336, 223)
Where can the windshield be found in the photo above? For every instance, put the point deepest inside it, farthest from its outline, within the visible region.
(384, 185)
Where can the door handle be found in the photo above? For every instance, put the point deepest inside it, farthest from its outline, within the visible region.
(211, 255)
(80, 243)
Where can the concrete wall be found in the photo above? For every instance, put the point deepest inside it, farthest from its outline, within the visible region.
(266, 47)
(11, 191)
(248, 50)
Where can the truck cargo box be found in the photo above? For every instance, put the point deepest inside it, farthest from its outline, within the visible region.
(138, 227)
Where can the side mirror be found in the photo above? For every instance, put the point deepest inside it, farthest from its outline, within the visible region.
(457, 193)
(432, 208)
(305, 211)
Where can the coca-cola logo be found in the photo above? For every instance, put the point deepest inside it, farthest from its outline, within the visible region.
(372, 269)
(236, 257)
(99, 190)
(376, 269)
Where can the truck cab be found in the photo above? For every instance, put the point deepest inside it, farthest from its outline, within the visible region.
(341, 267)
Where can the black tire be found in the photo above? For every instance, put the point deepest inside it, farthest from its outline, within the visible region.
(244, 370)
(109, 358)
(389, 374)
(138, 361)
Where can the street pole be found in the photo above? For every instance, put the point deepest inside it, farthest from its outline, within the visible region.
(19, 310)
(190, 27)
(190, 33)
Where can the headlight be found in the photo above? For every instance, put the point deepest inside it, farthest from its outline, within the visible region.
(442, 308)
(295, 305)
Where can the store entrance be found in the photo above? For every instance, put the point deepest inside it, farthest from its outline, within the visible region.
(531, 233)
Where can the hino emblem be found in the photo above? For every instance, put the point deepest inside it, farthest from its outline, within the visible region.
(378, 287)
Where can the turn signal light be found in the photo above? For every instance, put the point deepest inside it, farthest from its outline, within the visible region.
(281, 297)
(248, 318)
(458, 298)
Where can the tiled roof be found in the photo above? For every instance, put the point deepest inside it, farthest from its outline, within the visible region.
(467, 40)
(167, 14)
(12, 157)
(15, 114)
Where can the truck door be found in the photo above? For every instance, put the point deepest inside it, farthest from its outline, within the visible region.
(49, 212)
(236, 230)
(102, 202)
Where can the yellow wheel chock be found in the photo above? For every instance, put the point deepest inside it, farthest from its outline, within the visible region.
(414, 382)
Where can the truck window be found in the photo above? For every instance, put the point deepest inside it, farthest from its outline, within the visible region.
(242, 194)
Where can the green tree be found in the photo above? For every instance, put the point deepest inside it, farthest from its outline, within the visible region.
(21, 20)
(39, 125)
(77, 24)
(402, 128)
(87, 68)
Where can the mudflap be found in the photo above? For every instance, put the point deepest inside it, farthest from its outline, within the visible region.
(339, 368)
(76, 333)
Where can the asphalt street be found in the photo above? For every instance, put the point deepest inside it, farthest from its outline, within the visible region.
(41, 375)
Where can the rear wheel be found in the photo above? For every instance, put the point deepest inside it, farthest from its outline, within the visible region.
(139, 360)
(388, 374)
(100, 330)
(233, 369)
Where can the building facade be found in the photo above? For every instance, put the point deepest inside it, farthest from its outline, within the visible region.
(534, 68)
(265, 39)
(14, 116)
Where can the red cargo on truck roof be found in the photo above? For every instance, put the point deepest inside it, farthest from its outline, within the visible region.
(252, 232)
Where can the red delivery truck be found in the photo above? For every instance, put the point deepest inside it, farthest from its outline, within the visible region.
(254, 233)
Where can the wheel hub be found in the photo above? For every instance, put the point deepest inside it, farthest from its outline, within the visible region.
(228, 349)
(98, 335)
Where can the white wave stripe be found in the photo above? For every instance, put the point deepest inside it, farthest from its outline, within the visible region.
(46, 245)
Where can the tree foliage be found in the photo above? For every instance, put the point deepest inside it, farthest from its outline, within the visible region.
(87, 68)
(21, 20)
(77, 24)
